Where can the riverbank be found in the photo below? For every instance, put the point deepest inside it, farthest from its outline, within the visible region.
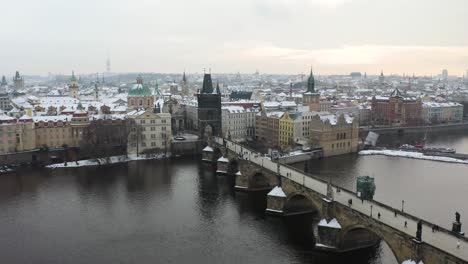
(412, 155)
(414, 129)
(105, 161)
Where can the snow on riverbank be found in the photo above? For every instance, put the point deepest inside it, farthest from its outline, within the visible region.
(104, 161)
(409, 154)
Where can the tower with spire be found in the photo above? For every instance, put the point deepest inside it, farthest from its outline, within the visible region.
(96, 89)
(73, 87)
(209, 109)
(4, 82)
(381, 78)
(18, 81)
(184, 85)
(311, 97)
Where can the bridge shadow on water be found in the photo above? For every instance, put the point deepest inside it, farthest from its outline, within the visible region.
(295, 231)
(298, 231)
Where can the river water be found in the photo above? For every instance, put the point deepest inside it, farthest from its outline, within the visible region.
(179, 211)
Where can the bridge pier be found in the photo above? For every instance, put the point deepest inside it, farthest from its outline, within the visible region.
(222, 166)
(276, 199)
(328, 235)
(357, 225)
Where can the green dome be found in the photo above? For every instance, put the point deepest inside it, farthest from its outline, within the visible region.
(140, 89)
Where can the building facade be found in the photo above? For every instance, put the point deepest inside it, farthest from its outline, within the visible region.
(335, 134)
(140, 96)
(437, 113)
(396, 110)
(150, 132)
(238, 123)
(267, 128)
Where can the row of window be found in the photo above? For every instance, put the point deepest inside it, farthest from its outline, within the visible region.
(143, 144)
(340, 145)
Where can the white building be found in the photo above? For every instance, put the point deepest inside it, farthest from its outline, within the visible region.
(150, 132)
(442, 112)
(238, 123)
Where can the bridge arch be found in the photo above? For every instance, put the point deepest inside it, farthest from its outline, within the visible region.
(259, 180)
(299, 203)
(360, 236)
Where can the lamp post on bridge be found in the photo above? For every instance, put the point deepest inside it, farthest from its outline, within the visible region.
(402, 205)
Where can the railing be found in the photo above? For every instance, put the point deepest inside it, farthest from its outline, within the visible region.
(442, 239)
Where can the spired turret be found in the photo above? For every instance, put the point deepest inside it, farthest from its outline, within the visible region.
(311, 97)
(73, 86)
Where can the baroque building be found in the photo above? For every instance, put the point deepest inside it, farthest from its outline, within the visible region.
(73, 87)
(140, 96)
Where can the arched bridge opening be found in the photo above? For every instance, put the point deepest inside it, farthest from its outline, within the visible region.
(259, 181)
(297, 204)
(362, 237)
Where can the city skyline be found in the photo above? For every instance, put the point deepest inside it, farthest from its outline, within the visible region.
(337, 36)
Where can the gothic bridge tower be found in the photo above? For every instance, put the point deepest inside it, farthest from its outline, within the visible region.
(209, 109)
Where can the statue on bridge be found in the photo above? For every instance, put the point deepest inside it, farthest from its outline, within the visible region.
(419, 231)
(456, 226)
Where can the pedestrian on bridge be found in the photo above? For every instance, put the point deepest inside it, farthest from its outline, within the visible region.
(406, 224)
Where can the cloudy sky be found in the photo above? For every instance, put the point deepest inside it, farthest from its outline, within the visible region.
(273, 36)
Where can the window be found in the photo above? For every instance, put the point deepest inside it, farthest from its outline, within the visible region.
(153, 144)
(153, 128)
(143, 144)
(163, 128)
(142, 121)
(140, 102)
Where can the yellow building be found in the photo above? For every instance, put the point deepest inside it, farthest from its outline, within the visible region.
(286, 130)
(7, 134)
(53, 131)
(335, 134)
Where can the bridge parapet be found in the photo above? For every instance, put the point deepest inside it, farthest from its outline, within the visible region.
(396, 227)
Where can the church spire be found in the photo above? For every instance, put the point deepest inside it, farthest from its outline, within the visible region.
(311, 82)
(184, 78)
(4, 82)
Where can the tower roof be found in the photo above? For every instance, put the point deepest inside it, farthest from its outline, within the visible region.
(17, 75)
(73, 77)
(207, 84)
(396, 93)
(4, 82)
(184, 78)
(311, 82)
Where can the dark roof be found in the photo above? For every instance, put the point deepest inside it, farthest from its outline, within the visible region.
(207, 84)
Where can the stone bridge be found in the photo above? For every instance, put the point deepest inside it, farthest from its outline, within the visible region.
(348, 223)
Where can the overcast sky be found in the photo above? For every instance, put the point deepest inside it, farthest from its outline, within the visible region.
(273, 36)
